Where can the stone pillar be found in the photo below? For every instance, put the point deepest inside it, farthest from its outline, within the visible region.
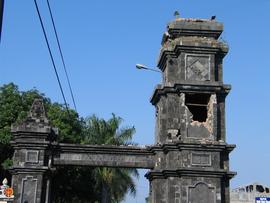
(192, 156)
(31, 159)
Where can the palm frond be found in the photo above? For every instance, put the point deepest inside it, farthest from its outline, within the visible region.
(118, 180)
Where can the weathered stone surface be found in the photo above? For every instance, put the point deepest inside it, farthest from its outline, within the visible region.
(195, 27)
(201, 193)
(190, 106)
(29, 184)
(111, 156)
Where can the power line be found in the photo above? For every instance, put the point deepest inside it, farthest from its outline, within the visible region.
(2, 2)
(61, 53)
(49, 49)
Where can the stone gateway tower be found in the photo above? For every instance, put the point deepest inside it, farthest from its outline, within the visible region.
(189, 161)
(193, 165)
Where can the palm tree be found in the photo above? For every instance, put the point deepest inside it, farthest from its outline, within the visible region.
(113, 183)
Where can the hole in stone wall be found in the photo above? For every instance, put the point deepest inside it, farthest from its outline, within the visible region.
(197, 105)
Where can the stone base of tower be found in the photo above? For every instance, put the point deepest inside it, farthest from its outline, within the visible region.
(189, 186)
(190, 173)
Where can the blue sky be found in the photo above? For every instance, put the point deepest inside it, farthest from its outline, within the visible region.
(103, 40)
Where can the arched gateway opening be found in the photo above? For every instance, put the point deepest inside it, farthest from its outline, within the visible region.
(188, 163)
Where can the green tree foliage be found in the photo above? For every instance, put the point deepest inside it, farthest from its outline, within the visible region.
(113, 183)
(68, 123)
(14, 107)
(70, 184)
(74, 185)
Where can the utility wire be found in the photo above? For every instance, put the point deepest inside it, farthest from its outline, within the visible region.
(2, 3)
(61, 53)
(48, 46)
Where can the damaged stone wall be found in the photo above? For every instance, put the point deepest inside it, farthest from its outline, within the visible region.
(175, 121)
(205, 129)
(168, 119)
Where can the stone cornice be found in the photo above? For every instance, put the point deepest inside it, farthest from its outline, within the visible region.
(190, 172)
(30, 134)
(190, 88)
(215, 146)
(190, 45)
(195, 27)
(32, 128)
(30, 144)
(100, 149)
(28, 169)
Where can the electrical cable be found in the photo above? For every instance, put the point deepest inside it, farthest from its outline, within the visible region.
(61, 53)
(2, 3)
(50, 52)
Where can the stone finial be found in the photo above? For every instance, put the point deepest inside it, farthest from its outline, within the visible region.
(37, 109)
(36, 121)
(37, 113)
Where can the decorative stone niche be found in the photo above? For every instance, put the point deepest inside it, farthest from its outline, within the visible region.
(32, 156)
(29, 189)
(197, 67)
(201, 159)
(201, 193)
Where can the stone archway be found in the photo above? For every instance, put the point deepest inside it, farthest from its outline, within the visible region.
(189, 147)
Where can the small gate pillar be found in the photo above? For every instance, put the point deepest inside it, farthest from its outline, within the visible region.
(31, 159)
